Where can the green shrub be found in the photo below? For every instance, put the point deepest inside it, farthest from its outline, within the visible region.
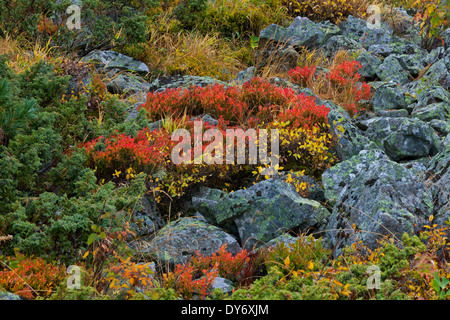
(58, 226)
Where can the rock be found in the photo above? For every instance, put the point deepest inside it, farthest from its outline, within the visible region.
(376, 196)
(432, 94)
(412, 63)
(402, 138)
(439, 178)
(147, 221)
(225, 285)
(286, 57)
(437, 74)
(262, 211)
(287, 239)
(379, 128)
(245, 75)
(402, 113)
(178, 241)
(133, 111)
(370, 64)
(357, 30)
(126, 83)
(391, 70)
(412, 140)
(206, 203)
(314, 192)
(184, 82)
(269, 208)
(113, 60)
(301, 33)
(398, 46)
(441, 126)
(349, 139)
(433, 111)
(4, 295)
(388, 96)
(340, 42)
(207, 119)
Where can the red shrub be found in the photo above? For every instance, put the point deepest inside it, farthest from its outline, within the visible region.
(301, 76)
(30, 277)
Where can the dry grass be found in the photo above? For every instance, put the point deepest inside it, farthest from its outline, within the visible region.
(22, 57)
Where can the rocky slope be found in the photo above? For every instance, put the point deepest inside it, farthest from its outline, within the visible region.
(393, 172)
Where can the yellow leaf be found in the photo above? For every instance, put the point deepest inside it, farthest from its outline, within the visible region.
(310, 265)
(287, 261)
(85, 254)
(431, 218)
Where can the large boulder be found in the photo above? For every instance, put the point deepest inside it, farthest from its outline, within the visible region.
(392, 71)
(301, 33)
(413, 139)
(179, 240)
(389, 96)
(350, 140)
(370, 64)
(108, 60)
(358, 30)
(439, 179)
(402, 138)
(340, 42)
(263, 211)
(373, 196)
(182, 81)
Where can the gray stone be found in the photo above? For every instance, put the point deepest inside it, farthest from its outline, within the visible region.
(389, 96)
(412, 140)
(441, 126)
(113, 60)
(245, 75)
(301, 33)
(146, 221)
(349, 139)
(432, 94)
(126, 83)
(179, 240)
(402, 113)
(437, 74)
(433, 111)
(379, 128)
(397, 46)
(262, 211)
(357, 29)
(225, 285)
(370, 64)
(340, 42)
(439, 179)
(413, 63)
(269, 208)
(392, 70)
(184, 82)
(376, 195)
(4, 295)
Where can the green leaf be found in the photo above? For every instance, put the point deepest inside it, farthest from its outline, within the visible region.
(444, 282)
(92, 238)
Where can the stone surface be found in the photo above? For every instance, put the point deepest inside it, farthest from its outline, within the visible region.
(373, 196)
(262, 211)
(113, 60)
(180, 239)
